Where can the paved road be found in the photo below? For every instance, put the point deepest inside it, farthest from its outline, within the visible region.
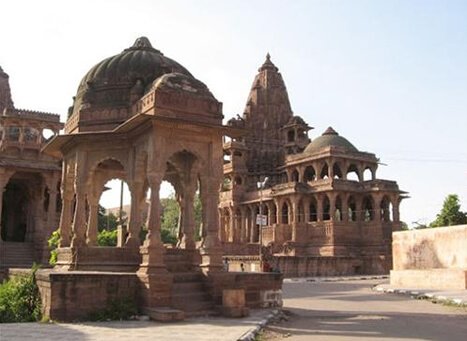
(350, 310)
(195, 329)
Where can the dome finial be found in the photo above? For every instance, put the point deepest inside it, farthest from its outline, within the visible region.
(330, 131)
(142, 43)
(268, 57)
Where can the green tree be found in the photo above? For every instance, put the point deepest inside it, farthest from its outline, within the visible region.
(108, 221)
(404, 226)
(450, 213)
(170, 217)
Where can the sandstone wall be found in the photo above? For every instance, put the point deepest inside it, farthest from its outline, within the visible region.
(437, 248)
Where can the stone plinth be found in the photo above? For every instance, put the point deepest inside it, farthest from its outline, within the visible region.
(233, 303)
(155, 289)
(74, 295)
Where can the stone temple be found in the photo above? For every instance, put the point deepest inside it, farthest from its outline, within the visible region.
(29, 182)
(323, 216)
(142, 117)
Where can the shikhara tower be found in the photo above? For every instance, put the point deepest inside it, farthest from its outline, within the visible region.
(325, 215)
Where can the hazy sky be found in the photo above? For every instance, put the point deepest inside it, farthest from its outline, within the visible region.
(390, 76)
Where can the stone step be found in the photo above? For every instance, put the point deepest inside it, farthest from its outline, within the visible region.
(165, 314)
(191, 306)
(15, 254)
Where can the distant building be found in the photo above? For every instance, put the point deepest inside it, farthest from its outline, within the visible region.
(325, 215)
(29, 181)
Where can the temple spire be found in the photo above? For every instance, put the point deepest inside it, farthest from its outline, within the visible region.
(5, 93)
(268, 64)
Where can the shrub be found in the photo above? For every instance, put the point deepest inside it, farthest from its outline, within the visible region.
(118, 309)
(53, 244)
(107, 238)
(20, 300)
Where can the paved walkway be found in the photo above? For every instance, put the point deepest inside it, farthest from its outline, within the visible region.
(348, 309)
(195, 329)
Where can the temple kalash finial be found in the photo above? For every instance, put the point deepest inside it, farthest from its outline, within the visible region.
(142, 43)
(268, 65)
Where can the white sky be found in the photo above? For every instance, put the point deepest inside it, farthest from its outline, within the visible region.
(390, 76)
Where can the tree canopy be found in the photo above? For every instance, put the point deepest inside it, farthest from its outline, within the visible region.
(450, 213)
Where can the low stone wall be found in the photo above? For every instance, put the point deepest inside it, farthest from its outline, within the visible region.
(303, 266)
(436, 248)
(261, 289)
(431, 258)
(68, 296)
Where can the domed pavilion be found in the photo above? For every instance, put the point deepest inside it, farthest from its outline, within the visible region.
(141, 117)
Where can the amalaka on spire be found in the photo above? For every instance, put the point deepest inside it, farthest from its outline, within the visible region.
(268, 65)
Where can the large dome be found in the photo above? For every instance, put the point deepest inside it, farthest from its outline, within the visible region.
(120, 79)
(330, 138)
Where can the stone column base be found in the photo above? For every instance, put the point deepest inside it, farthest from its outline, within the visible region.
(155, 289)
(211, 260)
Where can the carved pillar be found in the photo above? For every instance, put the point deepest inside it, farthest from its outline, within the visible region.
(242, 225)
(21, 134)
(360, 172)
(134, 224)
(294, 218)
(211, 251)
(79, 219)
(345, 169)
(67, 205)
(319, 208)
(330, 169)
(153, 238)
(332, 206)
(395, 210)
(91, 234)
(345, 208)
(153, 250)
(306, 210)
(358, 208)
(300, 173)
(188, 239)
(65, 219)
(377, 207)
(230, 229)
(252, 224)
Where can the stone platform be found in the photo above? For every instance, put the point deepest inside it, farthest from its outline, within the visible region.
(74, 295)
